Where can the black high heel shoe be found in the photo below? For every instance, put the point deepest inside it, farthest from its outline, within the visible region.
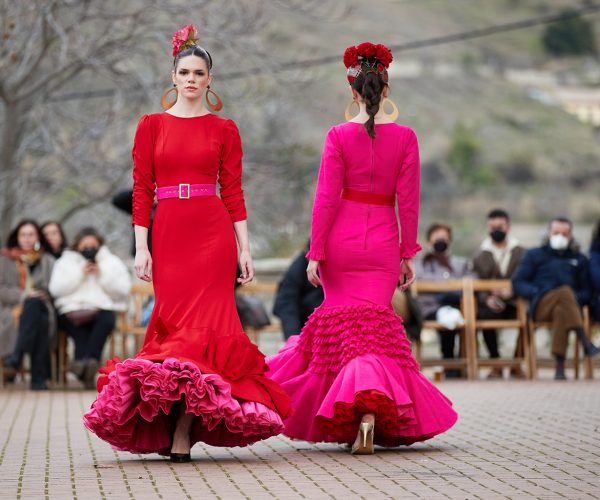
(180, 458)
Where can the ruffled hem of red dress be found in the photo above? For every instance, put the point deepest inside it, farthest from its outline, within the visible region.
(137, 408)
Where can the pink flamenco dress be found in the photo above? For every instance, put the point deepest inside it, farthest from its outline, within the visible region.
(195, 348)
(352, 356)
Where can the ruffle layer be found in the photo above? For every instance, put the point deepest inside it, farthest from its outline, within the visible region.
(360, 363)
(333, 336)
(133, 412)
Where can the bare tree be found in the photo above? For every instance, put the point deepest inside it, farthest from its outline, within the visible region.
(75, 75)
(61, 130)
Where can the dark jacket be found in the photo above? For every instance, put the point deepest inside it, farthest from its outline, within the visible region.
(123, 200)
(544, 269)
(595, 279)
(296, 298)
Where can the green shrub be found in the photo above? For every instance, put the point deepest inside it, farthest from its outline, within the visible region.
(570, 37)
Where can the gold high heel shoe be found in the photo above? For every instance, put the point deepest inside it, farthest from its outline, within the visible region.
(366, 431)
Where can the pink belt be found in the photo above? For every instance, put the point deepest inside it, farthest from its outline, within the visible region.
(185, 191)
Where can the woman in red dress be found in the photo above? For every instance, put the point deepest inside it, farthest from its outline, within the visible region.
(197, 376)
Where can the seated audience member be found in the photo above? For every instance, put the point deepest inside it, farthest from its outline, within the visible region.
(555, 279)
(498, 258)
(27, 320)
(55, 236)
(595, 272)
(438, 264)
(89, 284)
(296, 298)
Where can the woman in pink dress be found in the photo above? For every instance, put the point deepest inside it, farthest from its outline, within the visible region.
(350, 372)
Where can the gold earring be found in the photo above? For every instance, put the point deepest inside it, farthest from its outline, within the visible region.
(214, 106)
(165, 103)
(393, 116)
(348, 112)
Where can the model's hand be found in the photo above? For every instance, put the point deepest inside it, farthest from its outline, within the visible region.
(247, 267)
(311, 273)
(37, 293)
(143, 264)
(407, 273)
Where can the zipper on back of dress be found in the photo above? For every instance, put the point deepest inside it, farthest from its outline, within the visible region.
(371, 173)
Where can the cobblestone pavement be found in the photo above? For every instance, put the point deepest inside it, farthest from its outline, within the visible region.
(514, 439)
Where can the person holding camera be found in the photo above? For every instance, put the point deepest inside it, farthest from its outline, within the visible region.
(89, 284)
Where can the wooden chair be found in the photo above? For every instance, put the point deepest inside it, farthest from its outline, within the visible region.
(519, 322)
(129, 323)
(533, 326)
(254, 288)
(466, 331)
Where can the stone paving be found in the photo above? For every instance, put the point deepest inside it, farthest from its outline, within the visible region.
(514, 439)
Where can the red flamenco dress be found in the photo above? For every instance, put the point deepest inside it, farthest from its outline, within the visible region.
(195, 348)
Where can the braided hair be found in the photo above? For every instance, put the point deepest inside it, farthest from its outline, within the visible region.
(370, 85)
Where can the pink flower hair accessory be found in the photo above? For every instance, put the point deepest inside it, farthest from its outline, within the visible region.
(184, 38)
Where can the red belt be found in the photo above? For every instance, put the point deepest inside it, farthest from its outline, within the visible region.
(185, 191)
(366, 197)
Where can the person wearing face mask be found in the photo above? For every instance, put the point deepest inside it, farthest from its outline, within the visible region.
(498, 258)
(555, 279)
(440, 265)
(27, 320)
(89, 284)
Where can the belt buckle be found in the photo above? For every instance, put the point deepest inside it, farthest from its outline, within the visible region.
(185, 196)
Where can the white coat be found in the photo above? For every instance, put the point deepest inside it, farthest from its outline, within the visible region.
(73, 290)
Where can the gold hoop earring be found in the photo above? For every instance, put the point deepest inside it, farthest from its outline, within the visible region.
(348, 112)
(214, 106)
(393, 116)
(165, 103)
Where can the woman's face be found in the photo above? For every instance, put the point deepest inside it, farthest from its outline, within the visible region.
(27, 237)
(53, 236)
(191, 77)
(88, 242)
(439, 240)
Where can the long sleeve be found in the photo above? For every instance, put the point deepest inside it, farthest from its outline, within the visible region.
(583, 288)
(230, 173)
(143, 173)
(595, 269)
(10, 294)
(408, 196)
(523, 279)
(327, 197)
(67, 275)
(114, 277)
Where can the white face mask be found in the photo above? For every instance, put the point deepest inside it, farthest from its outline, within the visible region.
(559, 242)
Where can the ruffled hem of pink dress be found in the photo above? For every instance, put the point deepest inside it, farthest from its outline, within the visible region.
(330, 398)
(133, 412)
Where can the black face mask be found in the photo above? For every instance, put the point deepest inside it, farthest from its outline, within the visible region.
(440, 246)
(498, 235)
(89, 253)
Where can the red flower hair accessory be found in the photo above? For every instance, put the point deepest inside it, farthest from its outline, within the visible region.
(367, 57)
(184, 38)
